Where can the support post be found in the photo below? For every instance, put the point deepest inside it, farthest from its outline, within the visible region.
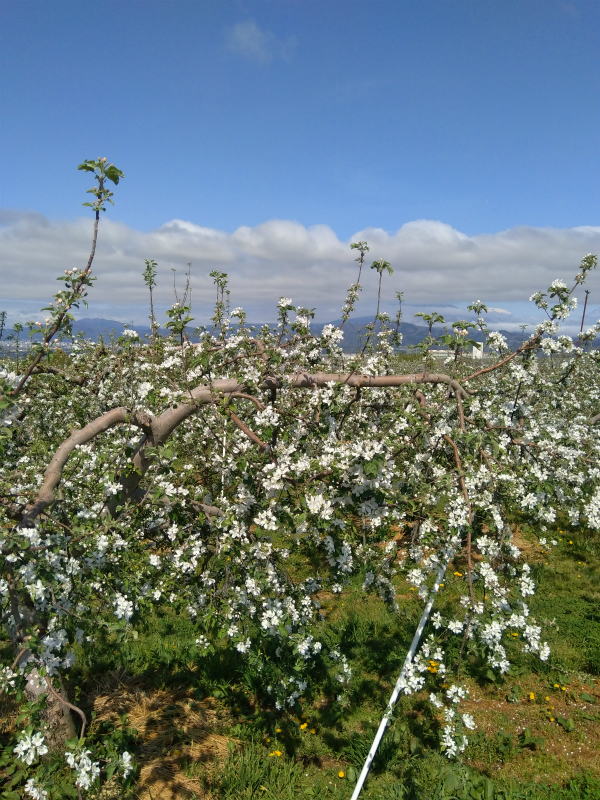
(400, 682)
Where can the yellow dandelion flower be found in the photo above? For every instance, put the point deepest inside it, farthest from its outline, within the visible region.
(458, 574)
(341, 774)
(312, 730)
(556, 686)
(303, 726)
(551, 719)
(531, 696)
(277, 752)
(278, 730)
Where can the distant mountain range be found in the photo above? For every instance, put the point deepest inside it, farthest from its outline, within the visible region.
(94, 327)
(412, 334)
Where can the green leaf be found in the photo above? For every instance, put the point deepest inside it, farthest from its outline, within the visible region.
(587, 698)
(488, 789)
(371, 468)
(67, 790)
(527, 740)
(567, 724)
(20, 774)
(114, 174)
(451, 782)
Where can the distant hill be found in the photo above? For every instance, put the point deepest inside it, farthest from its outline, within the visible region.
(412, 334)
(94, 327)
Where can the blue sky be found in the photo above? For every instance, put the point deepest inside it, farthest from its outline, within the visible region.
(480, 115)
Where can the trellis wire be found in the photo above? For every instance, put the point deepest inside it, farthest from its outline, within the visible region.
(399, 683)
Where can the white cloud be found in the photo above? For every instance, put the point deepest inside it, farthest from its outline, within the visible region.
(498, 310)
(248, 40)
(433, 263)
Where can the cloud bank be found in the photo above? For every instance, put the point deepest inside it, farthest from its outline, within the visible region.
(433, 263)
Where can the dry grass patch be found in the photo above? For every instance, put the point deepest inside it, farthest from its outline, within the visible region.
(174, 730)
(9, 710)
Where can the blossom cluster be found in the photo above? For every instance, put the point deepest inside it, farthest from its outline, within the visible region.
(286, 473)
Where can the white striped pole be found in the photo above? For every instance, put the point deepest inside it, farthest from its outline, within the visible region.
(399, 683)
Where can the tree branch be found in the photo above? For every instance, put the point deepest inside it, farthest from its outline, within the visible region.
(208, 511)
(64, 702)
(461, 414)
(463, 486)
(157, 430)
(53, 474)
(250, 397)
(250, 434)
(61, 316)
(527, 346)
(42, 368)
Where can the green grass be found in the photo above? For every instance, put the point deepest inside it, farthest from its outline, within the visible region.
(502, 764)
(318, 749)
